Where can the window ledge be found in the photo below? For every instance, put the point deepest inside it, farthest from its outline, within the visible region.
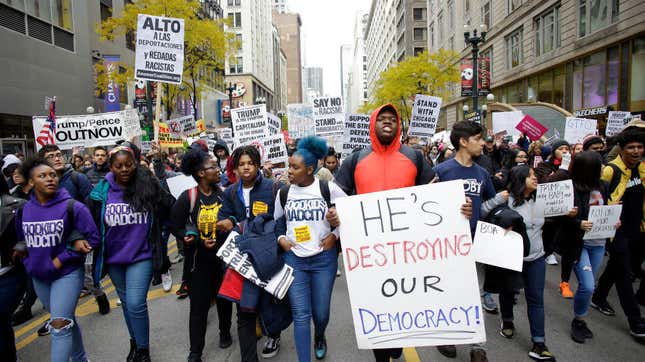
(597, 35)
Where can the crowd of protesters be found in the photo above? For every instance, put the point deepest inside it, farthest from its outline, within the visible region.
(68, 221)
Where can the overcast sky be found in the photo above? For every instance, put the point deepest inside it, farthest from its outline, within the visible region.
(326, 25)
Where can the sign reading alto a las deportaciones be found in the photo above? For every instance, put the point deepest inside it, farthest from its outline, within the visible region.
(160, 49)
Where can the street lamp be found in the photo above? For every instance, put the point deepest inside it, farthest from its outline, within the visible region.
(474, 41)
(260, 100)
(89, 110)
(465, 108)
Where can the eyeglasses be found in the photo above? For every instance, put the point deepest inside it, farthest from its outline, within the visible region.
(211, 168)
(52, 156)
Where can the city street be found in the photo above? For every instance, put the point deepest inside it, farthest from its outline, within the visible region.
(106, 338)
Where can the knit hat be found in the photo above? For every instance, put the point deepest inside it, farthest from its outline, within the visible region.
(590, 140)
(558, 143)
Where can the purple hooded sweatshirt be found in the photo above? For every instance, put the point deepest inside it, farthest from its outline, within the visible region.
(126, 236)
(46, 228)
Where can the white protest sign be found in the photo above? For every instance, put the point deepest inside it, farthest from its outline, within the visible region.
(425, 113)
(410, 271)
(329, 118)
(272, 148)
(300, 120)
(249, 123)
(604, 219)
(179, 184)
(357, 133)
(506, 121)
(616, 122)
(274, 123)
(182, 126)
(159, 49)
(554, 198)
(576, 129)
(90, 130)
(495, 246)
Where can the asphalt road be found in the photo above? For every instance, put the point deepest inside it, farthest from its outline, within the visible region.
(106, 338)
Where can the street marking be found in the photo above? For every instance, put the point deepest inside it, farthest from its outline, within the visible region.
(30, 338)
(411, 354)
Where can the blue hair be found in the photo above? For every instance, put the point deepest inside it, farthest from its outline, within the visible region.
(312, 149)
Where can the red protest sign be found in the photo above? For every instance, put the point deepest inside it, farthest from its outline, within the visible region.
(532, 128)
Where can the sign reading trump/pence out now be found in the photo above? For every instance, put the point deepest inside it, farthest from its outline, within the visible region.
(410, 268)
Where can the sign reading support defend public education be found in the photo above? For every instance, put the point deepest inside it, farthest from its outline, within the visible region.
(357, 133)
(249, 123)
(576, 129)
(91, 130)
(604, 219)
(410, 268)
(425, 114)
(554, 198)
(159, 49)
(616, 122)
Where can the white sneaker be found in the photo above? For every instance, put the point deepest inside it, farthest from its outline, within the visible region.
(338, 272)
(166, 281)
(118, 301)
(551, 260)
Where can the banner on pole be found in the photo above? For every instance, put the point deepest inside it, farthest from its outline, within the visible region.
(250, 123)
(425, 114)
(91, 130)
(409, 267)
(159, 49)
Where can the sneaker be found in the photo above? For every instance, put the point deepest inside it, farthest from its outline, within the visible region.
(84, 293)
(478, 355)
(118, 302)
(182, 292)
(178, 258)
(395, 353)
(166, 281)
(320, 347)
(104, 304)
(449, 351)
(194, 357)
(44, 330)
(539, 352)
(637, 329)
(489, 304)
(225, 340)
(579, 331)
(271, 347)
(507, 330)
(338, 273)
(21, 316)
(603, 307)
(565, 290)
(551, 260)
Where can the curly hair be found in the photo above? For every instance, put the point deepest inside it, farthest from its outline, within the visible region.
(250, 151)
(193, 161)
(30, 164)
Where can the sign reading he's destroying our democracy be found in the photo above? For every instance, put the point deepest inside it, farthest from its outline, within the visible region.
(249, 123)
(410, 270)
(91, 130)
(425, 113)
(357, 133)
(159, 49)
(554, 198)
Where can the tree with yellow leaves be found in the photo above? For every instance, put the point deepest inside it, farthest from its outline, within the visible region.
(431, 74)
(206, 46)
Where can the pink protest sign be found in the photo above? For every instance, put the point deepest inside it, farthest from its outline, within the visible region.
(532, 128)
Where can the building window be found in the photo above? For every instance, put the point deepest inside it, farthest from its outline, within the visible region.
(451, 14)
(485, 14)
(594, 15)
(236, 67)
(420, 34)
(418, 51)
(547, 31)
(514, 4)
(39, 8)
(234, 2)
(637, 86)
(17, 4)
(451, 43)
(106, 9)
(235, 19)
(62, 14)
(514, 49)
(419, 14)
(467, 5)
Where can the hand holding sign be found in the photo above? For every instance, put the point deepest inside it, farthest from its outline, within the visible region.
(603, 222)
(566, 161)
(495, 246)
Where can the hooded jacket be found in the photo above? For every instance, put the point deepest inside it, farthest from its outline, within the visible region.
(228, 175)
(96, 173)
(76, 184)
(46, 230)
(383, 167)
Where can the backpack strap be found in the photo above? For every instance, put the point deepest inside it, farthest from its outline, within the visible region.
(615, 177)
(284, 192)
(324, 191)
(70, 212)
(418, 161)
(192, 198)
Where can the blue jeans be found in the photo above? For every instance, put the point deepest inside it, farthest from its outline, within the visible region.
(12, 287)
(586, 270)
(310, 295)
(60, 298)
(533, 275)
(132, 283)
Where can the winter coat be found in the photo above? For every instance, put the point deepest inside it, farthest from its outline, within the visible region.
(8, 238)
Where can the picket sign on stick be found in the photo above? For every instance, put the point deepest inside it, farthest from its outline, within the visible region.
(410, 269)
(425, 114)
(158, 111)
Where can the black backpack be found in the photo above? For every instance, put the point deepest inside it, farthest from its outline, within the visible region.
(324, 191)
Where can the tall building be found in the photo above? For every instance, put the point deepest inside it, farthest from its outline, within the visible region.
(282, 108)
(280, 6)
(288, 25)
(411, 28)
(313, 80)
(280, 95)
(579, 56)
(252, 67)
(345, 69)
(357, 80)
(380, 40)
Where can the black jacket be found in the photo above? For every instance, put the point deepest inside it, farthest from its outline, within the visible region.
(97, 173)
(8, 238)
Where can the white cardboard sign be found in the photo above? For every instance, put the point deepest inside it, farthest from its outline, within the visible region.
(604, 220)
(496, 246)
(506, 121)
(274, 123)
(159, 49)
(616, 122)
(249, 123)
(425, 114)
(180, 183)
(357, 133)
(576, 129)
(554, 198)
(300, 121)
(410, 268)
(272, 148)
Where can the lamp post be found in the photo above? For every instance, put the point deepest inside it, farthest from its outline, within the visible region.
(474, 41)
(230, 88)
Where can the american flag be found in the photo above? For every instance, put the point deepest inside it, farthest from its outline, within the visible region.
(46, 136)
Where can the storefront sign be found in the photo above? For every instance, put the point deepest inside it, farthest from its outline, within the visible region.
(590, 112)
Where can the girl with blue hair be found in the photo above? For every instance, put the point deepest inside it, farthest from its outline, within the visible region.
(309, 244)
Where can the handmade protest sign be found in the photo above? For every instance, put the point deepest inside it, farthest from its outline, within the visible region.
(409, 267)
(226, 135)
(604, 219)
(616, 122)
(576, 129)
(90, 130)
(274, 123)
(300, 121)
(506, 121)
(272, 148)
(159, 49)
(425, 113)
(554, 198)
(179, 184)
(357, 133)
(168, 139)
(493, 245)
(532, 128)
(182, 126)
(329, 120)
(249, 123)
